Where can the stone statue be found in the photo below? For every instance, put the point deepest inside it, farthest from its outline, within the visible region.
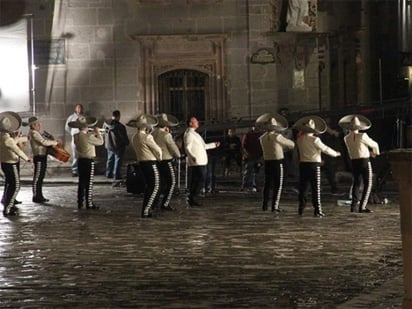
(297, 10)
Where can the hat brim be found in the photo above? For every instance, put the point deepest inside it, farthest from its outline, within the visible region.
(263, 122)
(346, 123)
(320, 125)
(149, 121)
(90, 122)
(29, 123)
(15, 121)
(170, 121)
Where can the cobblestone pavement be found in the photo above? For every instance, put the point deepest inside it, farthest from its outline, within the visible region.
(224, 254)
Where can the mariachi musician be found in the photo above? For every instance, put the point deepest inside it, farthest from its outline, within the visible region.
(86, 149)
(39, 145)
(310, 149)
(148, 153)
(10, 155)
(273, 144)
(164, 139)
(21, 142)
(360, 148)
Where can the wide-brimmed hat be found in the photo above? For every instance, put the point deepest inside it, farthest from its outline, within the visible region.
(83, 122)
(143, 121)
(166, 120)
(271, 122)
(9, 121)
(311, 124)
(30, 121)
(355, 122)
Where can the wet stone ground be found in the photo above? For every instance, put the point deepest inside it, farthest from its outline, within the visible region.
(225, 254)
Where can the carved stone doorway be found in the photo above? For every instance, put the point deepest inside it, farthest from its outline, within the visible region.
(197, 60)
(183, 93)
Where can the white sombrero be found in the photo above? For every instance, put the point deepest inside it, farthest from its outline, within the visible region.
(272, 122)
(9, 121)
(166, 120)
(30, 121)
(311, 124)
(143, 121)
(355, 122)
(83, 122)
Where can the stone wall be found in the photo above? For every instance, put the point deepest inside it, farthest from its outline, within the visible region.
(102, 59)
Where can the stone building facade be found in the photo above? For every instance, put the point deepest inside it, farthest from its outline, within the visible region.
(218, 59)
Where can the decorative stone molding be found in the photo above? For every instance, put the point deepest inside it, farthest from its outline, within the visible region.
(299, 47)
(263, 56)
(189, 2)
(159, 54)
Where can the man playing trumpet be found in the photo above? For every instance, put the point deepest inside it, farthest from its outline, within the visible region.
(39, 145)
(85, 145)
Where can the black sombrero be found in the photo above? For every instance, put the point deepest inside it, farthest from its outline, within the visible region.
(311, 124)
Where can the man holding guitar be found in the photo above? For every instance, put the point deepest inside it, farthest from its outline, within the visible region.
(39, 145)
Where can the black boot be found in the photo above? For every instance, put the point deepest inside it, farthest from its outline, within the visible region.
(318, 213)
(92, 206)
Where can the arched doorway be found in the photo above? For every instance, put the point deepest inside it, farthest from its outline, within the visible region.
(183, 93)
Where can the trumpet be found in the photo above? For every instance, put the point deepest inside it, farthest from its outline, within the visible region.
(101, 130)
(20, 139)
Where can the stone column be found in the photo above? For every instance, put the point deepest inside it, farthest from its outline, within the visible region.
(401, 164)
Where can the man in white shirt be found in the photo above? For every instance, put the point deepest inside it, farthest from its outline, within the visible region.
(78, 111)
(358, 145)
(195, 148)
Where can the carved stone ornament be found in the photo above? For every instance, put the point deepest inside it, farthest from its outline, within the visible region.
(300, 57)
(263, 56)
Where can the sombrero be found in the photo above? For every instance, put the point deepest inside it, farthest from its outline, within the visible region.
(30, 121)
(311, 124)
(166, 120)
(272, 122)
(355, 122)
(143, 121)
(9, 121)
(83, 122)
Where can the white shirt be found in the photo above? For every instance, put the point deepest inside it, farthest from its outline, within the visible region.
(72, 131)
(272, 145)
(311, 148)
(196, 147)
(358, 145)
